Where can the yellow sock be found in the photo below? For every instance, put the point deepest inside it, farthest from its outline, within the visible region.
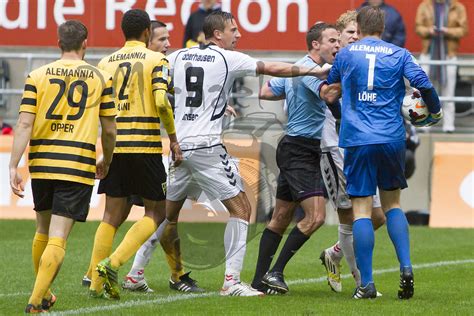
(133, 240)
(49, 266)
(40, 241)
(171, 245)
(104, 238)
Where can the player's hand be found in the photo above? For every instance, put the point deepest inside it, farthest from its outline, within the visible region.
(16, 182)
(432, 119)
(230, 111)
(320, 72)
(101, 169)
(416, 94)
(176, 153)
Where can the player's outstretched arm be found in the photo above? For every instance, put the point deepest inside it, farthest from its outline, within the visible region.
(280, 69)
(109, 133)
(23, 130)
(266, 93)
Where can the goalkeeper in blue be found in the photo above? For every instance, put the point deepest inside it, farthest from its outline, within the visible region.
(371, 75)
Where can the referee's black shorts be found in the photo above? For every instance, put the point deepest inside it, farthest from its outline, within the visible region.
(64, 198)
(135, 174)
(300, 175)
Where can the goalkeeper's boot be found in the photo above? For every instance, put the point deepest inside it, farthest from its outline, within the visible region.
(110, 276)
(366, 292)
(407, 284)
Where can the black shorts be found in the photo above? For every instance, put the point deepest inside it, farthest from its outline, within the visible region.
(300, 175)
(135, 174)
(63, 198)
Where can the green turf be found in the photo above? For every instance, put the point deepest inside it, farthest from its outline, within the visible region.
(441, 290)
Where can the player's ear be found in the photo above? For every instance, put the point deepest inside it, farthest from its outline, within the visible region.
(217, 34)
(84, 44)
(59, 44)
(315, 44)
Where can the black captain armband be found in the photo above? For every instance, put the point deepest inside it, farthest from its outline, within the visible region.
(335, 109)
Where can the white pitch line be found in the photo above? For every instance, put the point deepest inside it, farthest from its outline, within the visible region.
(184, 297)
(382, 271)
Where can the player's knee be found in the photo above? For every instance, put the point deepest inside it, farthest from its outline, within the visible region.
(278, 227)
(310, 224)
(378, 218)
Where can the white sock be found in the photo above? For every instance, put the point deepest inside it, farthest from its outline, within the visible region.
(235, 243)
(346, 243)
(335, 252)
(143, 255)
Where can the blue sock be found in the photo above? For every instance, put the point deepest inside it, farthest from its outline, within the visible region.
(397, 227)
(364, 239)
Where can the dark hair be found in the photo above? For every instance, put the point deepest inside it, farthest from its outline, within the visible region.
(71, 35)
(371, 20)
(156, 24)
(134, 22)
(215, 21)
(316, 32)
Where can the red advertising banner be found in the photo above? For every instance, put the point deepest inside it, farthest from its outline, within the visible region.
(264, 24)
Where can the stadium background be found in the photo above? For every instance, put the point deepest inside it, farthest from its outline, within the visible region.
(270, 29)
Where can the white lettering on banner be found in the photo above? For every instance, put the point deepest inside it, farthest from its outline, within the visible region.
(186, 10)
(170, 10)
(111, 6)
(264, 17)
(466, 190)
(302, 14)
(60, 10)
(22, 19)
(41, 15)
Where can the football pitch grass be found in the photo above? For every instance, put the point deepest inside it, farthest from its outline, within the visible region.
(443, 259)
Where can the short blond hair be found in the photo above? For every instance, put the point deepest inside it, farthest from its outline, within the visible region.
(346, 18)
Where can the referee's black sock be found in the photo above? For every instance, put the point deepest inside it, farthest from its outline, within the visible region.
(268, 246)
(295, 240)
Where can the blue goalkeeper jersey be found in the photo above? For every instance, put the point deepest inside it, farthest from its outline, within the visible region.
(371, 73)
(306, 110)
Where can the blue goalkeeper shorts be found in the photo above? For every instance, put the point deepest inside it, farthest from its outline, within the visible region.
(370, 166)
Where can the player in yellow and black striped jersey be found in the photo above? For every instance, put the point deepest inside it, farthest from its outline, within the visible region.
(140, 78)
(67, 97)
(59, 114)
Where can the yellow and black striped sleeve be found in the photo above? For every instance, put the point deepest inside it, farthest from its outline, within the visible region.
(107, 104)
(160, 76)
(29, 99)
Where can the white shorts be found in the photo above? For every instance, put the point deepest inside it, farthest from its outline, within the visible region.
(210, 169)
(332, 170)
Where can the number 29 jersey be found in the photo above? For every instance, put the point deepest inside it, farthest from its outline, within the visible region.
(203, 78)
(67, 97)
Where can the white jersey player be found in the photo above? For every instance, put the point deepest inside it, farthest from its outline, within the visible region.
(203, 78)
(332, 164)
